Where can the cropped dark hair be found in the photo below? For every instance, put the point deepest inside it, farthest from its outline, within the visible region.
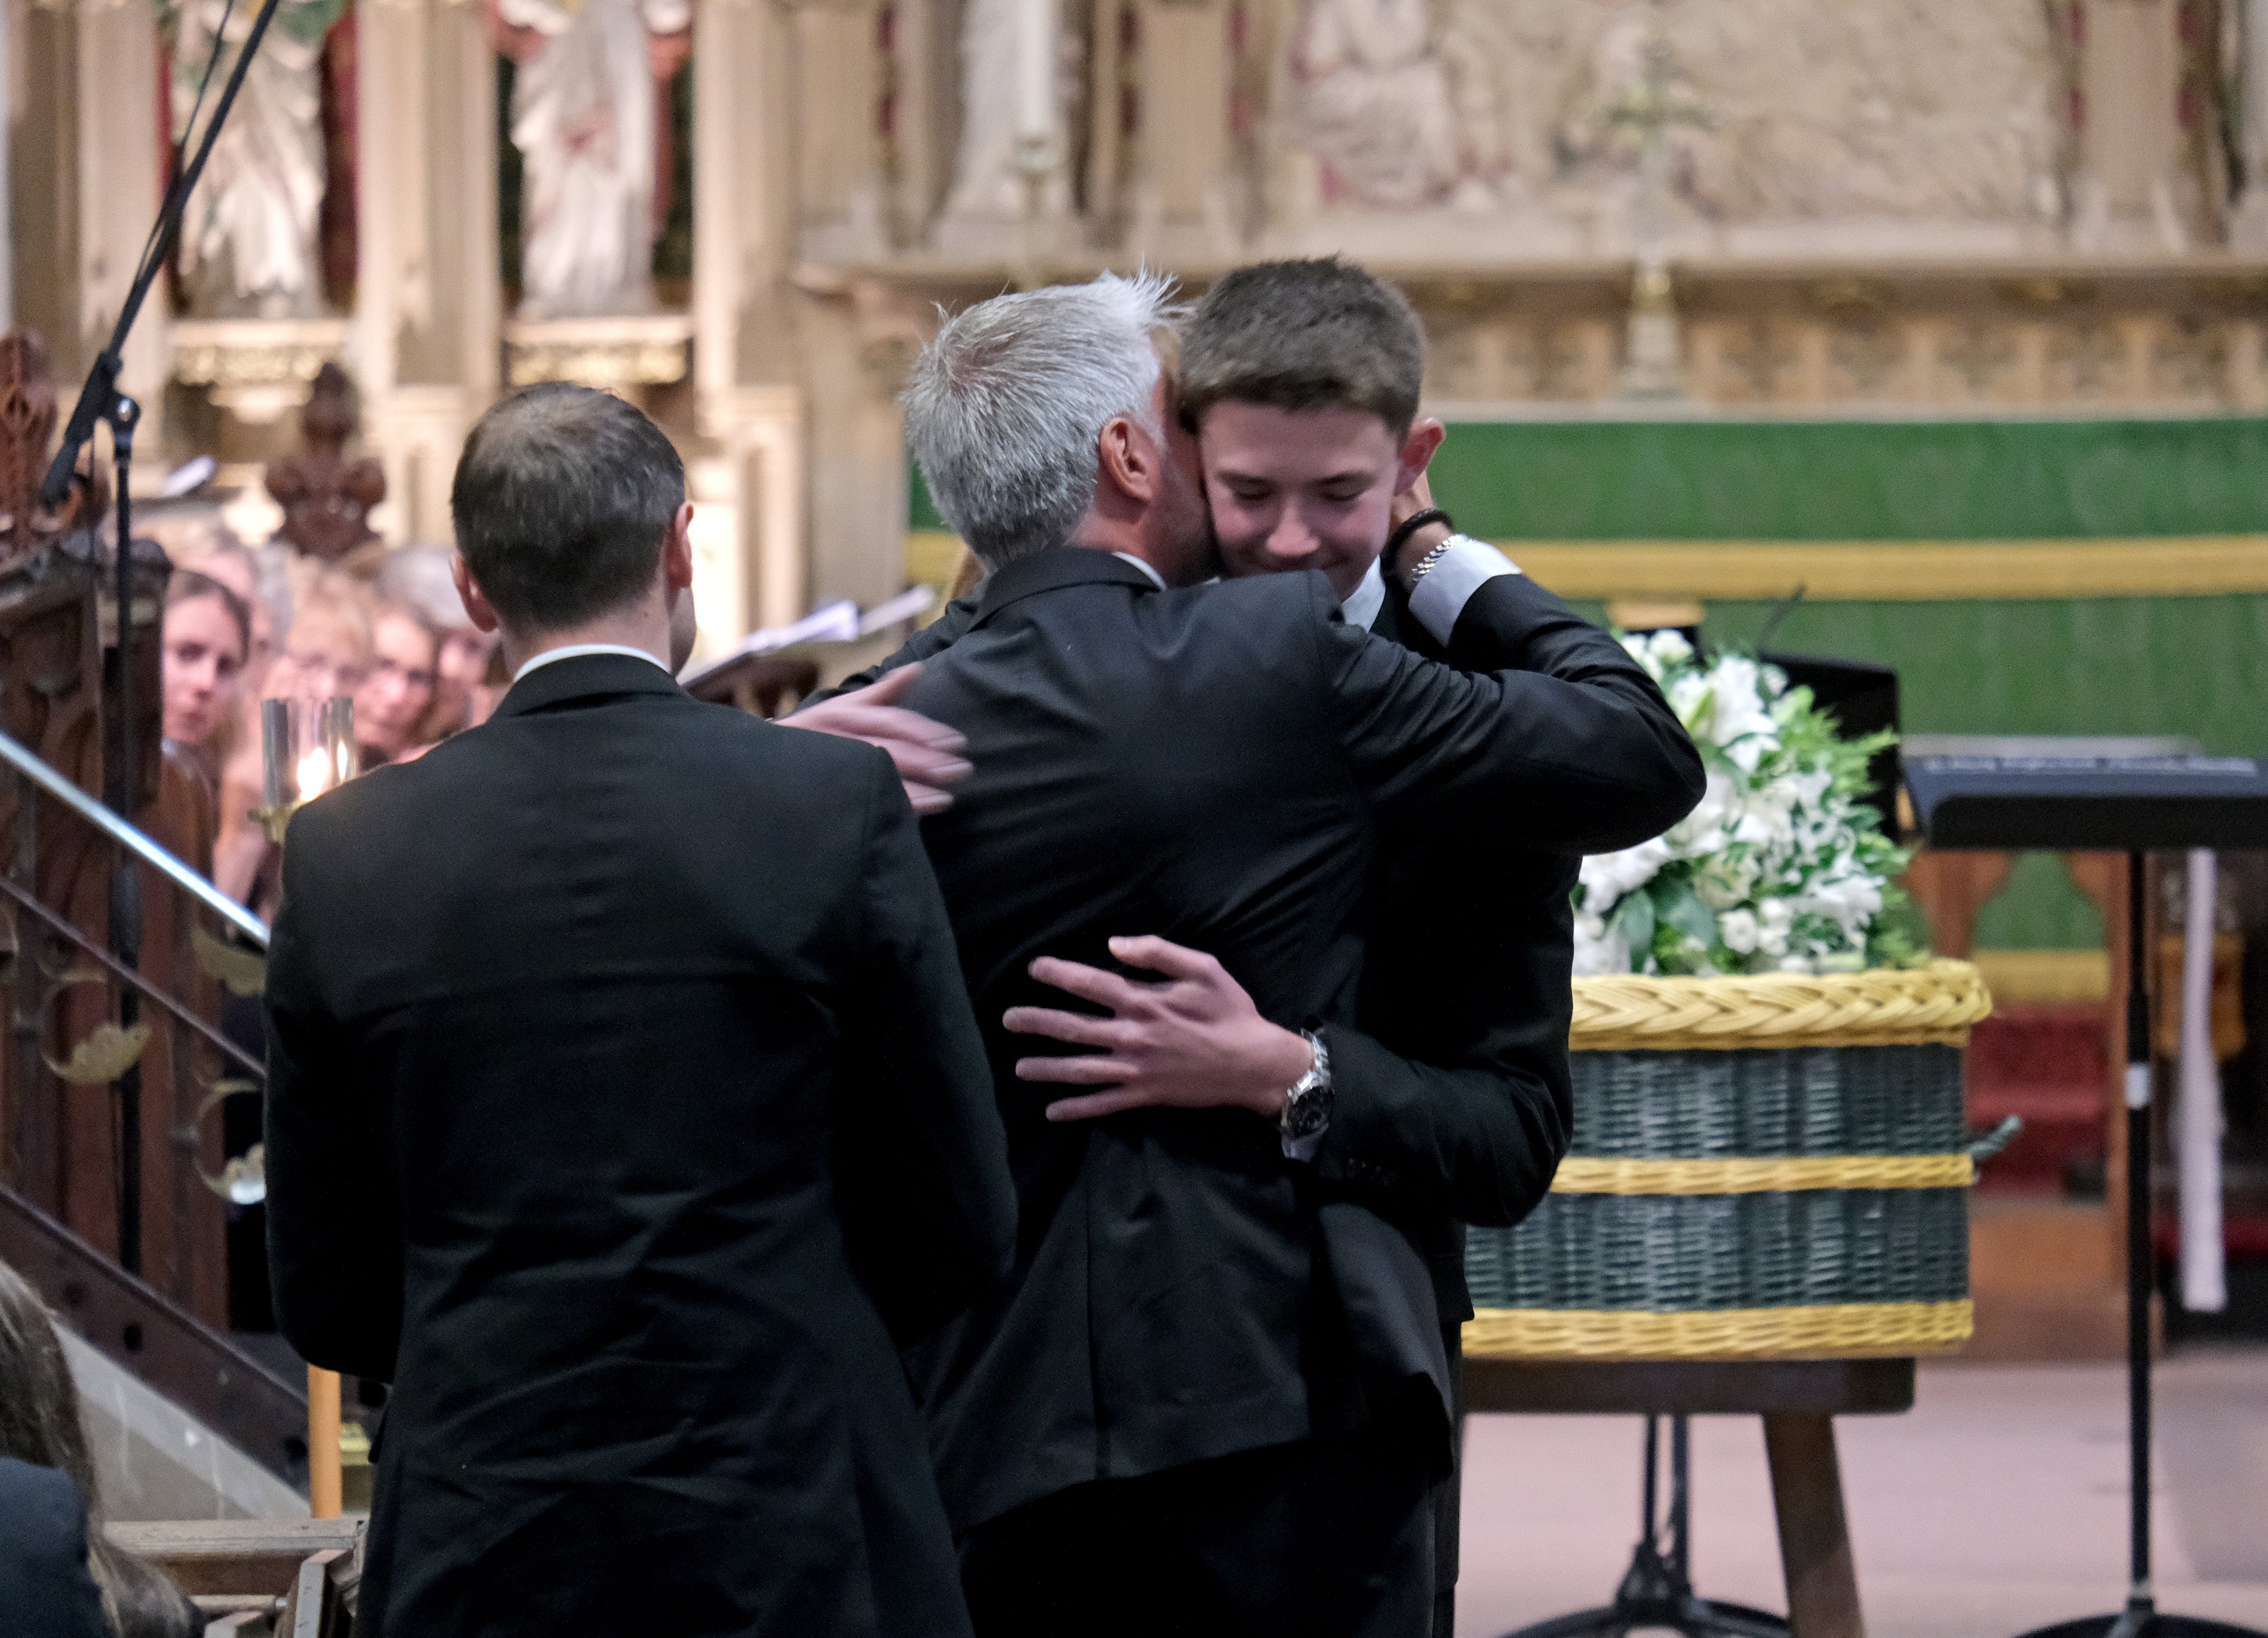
(1305, 335)
(562, 498)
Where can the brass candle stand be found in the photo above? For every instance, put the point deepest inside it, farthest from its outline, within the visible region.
(307, 747)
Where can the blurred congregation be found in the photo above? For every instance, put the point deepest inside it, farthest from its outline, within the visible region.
(243, 626)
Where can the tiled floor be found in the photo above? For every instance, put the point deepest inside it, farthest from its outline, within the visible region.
(1997, 1504)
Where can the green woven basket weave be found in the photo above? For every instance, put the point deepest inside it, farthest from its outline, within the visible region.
(1761, 1168)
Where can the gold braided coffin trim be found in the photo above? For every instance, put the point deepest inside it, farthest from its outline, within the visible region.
(1583, 1174)
(1846, 1330)
(1888, 1007)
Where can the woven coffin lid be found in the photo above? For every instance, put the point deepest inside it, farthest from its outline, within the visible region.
(1888, 1007)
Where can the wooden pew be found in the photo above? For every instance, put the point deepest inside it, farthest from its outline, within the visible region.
(257, 1577)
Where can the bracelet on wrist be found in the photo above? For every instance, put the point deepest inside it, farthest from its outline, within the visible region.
(1411, 526)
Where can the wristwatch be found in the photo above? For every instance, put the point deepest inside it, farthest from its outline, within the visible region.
(1308, 1100)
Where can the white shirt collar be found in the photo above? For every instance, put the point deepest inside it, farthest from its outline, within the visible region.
(576, 650)
(1156, 578)
(1362, 603)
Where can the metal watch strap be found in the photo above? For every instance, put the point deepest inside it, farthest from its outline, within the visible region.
(1308, 1100)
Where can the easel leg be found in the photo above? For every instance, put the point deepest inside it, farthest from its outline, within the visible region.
(1815, 1540)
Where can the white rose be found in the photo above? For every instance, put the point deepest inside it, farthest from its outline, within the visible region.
(1725, 880)
(1609, 877)
(1739, 930)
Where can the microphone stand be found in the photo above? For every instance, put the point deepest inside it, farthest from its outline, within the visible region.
(100, 400)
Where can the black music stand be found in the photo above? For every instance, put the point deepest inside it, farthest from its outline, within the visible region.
(1657, 1589)
(2133, 805)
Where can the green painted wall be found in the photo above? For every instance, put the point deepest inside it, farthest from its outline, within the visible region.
(921, 511)
(2086, 666)
(1854, 480)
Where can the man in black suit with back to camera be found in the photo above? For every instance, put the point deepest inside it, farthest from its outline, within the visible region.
(1212, 1397)
(625, 1130)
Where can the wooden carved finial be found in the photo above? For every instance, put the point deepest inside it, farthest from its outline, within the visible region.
(27, 427)
(327, 498)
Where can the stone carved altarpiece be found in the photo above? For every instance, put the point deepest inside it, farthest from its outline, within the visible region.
(1927, 128)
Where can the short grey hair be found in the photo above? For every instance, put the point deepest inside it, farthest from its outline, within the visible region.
(1005, 408)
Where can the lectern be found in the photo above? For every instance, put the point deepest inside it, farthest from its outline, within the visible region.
(2134, 806)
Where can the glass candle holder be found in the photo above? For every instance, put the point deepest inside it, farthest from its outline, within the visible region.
(308, 746)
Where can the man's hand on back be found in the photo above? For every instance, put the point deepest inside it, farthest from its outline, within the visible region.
(926, 752)
(1194, 1041)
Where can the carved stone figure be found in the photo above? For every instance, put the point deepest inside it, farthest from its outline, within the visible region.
(1637, 129)
(988, 185)
(2248, 228)
(585, 109)
(248, 247)
(1935, 119)
(1374, 104)
(327, 498)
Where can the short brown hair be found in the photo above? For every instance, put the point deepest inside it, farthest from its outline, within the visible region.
(1304, 336)
(562, 500)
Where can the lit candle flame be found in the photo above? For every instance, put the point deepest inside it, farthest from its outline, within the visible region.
(314, 774)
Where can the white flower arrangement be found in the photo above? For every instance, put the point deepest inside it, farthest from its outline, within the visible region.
(1783, 867)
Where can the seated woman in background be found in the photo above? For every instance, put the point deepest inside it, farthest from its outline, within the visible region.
(235, 566)
(325, 654)
(424, 576)
(40, 1425)
(397, 689)
(207, 637)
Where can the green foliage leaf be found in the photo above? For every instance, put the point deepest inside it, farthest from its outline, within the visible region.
(1634, 920)
(1677, 904)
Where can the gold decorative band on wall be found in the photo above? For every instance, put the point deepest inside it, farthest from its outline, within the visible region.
(1828, 1331)
(1583, 1174)
(1855, 571)
(1898, 570)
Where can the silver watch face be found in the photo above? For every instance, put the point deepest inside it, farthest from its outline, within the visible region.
(1308, 1112)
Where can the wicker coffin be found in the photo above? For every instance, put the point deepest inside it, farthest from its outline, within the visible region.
(1769, 1167)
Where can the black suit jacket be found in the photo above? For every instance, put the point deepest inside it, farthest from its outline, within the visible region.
(1454, 1102)
(623, 1099)
(1219, 766)
(46, 1589)
(1452, 1097)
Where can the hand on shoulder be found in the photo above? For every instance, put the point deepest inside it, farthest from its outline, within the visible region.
(925, 753)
